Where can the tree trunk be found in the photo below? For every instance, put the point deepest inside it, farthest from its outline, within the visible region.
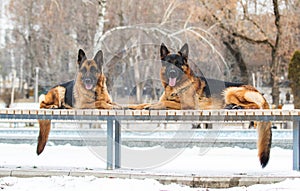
(236, 53)
(275, 61)
(275, 93)
(100, 24)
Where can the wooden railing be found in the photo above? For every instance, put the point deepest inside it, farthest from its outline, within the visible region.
(114, 119)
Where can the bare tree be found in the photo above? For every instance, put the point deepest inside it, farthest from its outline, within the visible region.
(251, 30)
(47, 34)
(100, 23)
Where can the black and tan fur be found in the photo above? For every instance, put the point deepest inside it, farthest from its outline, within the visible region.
(87, 91)
(184, 90)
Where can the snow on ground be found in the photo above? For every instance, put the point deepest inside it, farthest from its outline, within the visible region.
(216, 161)
(67, 183)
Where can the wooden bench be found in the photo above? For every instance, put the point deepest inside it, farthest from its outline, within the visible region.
(114, 119)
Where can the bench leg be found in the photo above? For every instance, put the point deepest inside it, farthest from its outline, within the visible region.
(109, 142)
(296, 143)
(117, 144)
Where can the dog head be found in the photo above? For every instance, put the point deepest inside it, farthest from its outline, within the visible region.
(174, 66)
(89, 69)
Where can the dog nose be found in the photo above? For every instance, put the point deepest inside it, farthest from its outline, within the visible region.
(173, 73)
(88, 81)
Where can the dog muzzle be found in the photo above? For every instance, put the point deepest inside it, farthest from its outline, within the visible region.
(88, 83)
(172, 77)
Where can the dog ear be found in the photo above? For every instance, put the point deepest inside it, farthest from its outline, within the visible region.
(81, 57)
(163, 51)
(184, 51)
(99, 59)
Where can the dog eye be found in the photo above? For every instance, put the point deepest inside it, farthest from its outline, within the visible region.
(177, 63)
(164, 63)
(93, 69)
(83, 70)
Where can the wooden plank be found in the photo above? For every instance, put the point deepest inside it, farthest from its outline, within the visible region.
(3, 111)
(128, 112)
(104, 112)
(231, 112)
(214, 112)
(71, 112)
(293, 112)
(136, 112)
(171, 112)
(64, 112)
(198, 112)
(48, 112)
(34, 112)
(95, 112)
(87, 112)
(79, 112)
(111, 112)
(267, 112)
(222, 112)
(246, 112)
(10, 111)
(25, 112)
(162, 112)
(258, 112)
(56, 112)
(276, 112)
(154, 112)
(206, 113)
(18, 111)
(145, 112)
(41, 112)
(120, 112)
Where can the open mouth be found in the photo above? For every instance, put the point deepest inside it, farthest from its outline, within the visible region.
(88, 83)
(172, 82)
(88, 86)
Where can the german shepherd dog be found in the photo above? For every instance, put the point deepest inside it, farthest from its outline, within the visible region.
(184, 90)
(87, 91)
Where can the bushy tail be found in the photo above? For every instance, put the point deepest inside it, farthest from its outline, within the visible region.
(45, 126)
(264, 142)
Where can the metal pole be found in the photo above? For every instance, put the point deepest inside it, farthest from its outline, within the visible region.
(117, 144)
(110, 129)
(36, 84)
(296, 148)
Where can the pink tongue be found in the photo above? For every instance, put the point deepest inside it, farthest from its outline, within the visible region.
(88, 86)
(172, 82)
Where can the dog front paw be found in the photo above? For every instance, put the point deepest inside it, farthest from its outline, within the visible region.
(233, 106)
(117, 107)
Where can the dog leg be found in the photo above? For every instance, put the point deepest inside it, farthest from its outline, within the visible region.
(138, 106)
(106, 105)
(164, 105)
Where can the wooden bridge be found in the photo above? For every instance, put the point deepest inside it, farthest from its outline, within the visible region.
(114, 119)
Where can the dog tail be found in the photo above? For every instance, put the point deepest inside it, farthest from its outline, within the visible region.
(264, 142)
(45, 126)
(249, 98)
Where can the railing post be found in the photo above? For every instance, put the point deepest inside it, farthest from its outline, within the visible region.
(117, 144)
(296, 145)
(109, 142)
